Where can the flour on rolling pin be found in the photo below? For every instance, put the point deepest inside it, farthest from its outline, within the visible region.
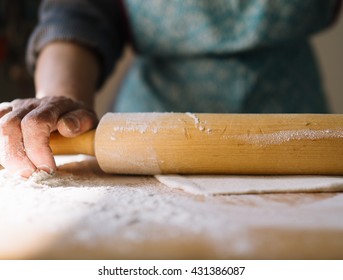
(194, 143)
(201, 125)
(142, 124)
(188, 143)
(288, 135)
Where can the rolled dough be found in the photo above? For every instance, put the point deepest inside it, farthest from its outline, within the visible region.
(212, 185)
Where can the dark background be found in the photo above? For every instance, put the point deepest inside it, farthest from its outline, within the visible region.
(17, 20)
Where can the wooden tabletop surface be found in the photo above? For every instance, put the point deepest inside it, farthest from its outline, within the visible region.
(82, 213)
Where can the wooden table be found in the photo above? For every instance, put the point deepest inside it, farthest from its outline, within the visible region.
(91, 215)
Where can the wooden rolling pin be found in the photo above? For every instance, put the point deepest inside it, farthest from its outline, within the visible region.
(185, 143)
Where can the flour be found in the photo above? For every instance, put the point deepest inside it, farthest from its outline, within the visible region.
(37, 179)
(5, 106)
(100, 205)
(201, 125)
(280, 137)
(194, 117)
(44, 179)
(141, 128)
(141, 123)
(41, 177)
(80, 212)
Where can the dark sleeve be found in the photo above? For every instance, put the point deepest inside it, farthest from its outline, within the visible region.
(95, 24)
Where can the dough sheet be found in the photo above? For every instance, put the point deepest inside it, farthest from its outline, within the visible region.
(212, 185)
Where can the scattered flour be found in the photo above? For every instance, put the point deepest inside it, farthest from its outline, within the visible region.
(141, 128)
(201, 125)
(194, 117)
(86, 213)
(141, 123)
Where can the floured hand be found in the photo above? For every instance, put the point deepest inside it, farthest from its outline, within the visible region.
(26, 125)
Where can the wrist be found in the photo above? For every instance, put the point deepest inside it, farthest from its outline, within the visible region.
(67, 69)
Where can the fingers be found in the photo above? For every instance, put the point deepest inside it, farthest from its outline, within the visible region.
(76, 122)
(36, 133)
(25, 128)
(12, 151)
(37, 126)
(5, 108)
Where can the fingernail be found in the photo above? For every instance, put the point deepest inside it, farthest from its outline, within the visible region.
(46, 168)
(72, 124)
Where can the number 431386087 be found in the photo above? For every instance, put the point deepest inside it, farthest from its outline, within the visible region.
(212, 270)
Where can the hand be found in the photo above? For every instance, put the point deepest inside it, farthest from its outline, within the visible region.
(26, 125)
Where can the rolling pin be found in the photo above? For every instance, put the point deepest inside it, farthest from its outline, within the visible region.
(186, 143)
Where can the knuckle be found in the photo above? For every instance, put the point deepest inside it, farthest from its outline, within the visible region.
(19, 102)
(39, 122)
(36, 120)
(9, 123)
(16, 101)
(29, 121)
(57, 100)
(5, 105)
(85, 113)
(28, 103)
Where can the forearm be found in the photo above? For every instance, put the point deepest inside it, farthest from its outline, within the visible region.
(67, 69)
